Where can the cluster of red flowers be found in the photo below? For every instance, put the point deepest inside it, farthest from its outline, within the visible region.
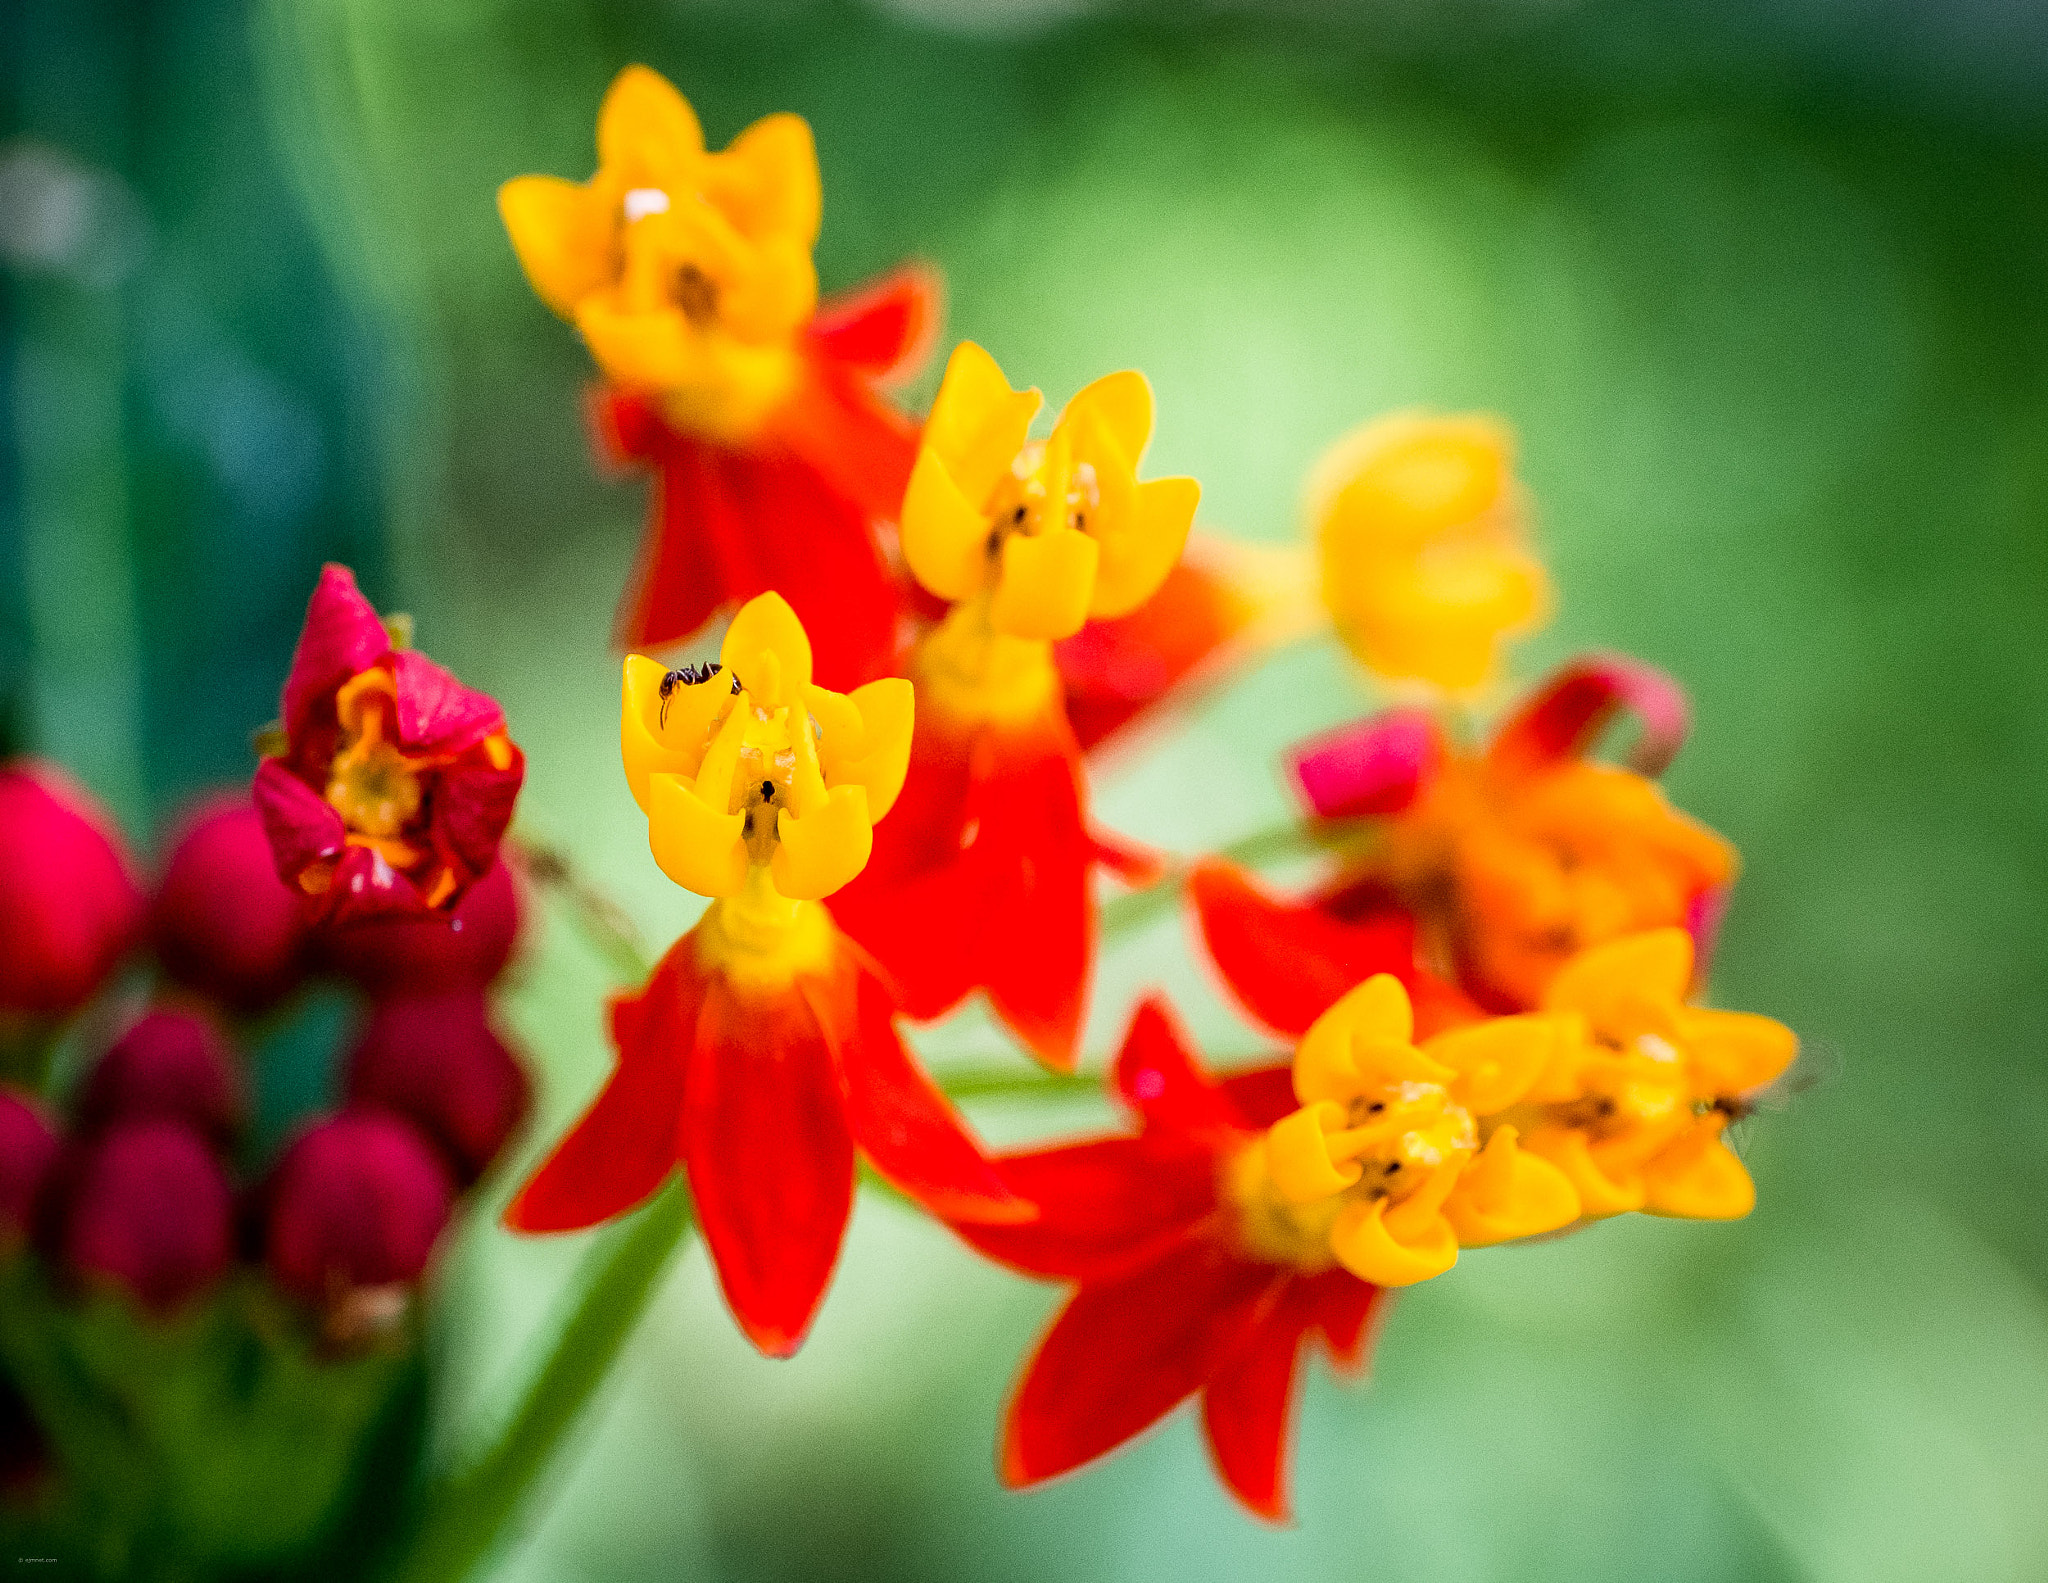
(1528, 913)
(151, 1182)
(1487, 1002)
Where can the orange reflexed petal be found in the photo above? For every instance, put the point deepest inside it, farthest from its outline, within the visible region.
(1497, 1061)
(1734, 1052)
(768, 180)
(663, 736)
(1138, 553)
(1508, 1193)
(1298, 1157)
(647, 134)
(820, 851)
(766, 649)
(565, 236)
(1699, 1178)
(1610, 982)
(1600, 1195)
(1370, 1248)
(701, 848)
(978, 424)
(1045, 584)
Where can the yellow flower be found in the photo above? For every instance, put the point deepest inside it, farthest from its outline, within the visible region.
(689, 273)
(1048, 534)
(1633, 1106)
(1383, 1170)
(754, 774)
(1425, 568)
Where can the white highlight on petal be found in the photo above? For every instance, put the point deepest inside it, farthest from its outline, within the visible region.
(643, 201)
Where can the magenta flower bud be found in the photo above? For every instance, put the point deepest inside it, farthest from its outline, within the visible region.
(28, 1150)
(356, 1202)
(173, 1065)
(436, 1061)
(465, 949)
(146, 1208)
(222, 922)
(69, 905)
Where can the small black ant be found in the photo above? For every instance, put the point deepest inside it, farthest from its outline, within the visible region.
(688, 676)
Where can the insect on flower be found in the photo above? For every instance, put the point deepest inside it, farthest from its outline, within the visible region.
(687, 676)
(1029, 540)
(763, 1053)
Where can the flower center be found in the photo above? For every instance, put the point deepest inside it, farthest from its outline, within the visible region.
(1034, 497)
(372, 784)
(696, 293)
(1400, 1138)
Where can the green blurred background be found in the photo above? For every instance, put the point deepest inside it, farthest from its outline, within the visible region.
(1761, 286)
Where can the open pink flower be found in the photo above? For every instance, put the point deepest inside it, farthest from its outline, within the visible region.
(396, 782)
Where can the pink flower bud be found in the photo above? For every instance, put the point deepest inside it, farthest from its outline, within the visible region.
(173, 1065)
(222, 921)
(423, 955)
(356, 1202)
(28, 1149)
(146, 1208)
(436, 1061)
(68, 904)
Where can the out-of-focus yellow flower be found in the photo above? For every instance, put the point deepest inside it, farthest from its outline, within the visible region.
(1050, 533)
(753, 771)
(1633, 1104)
(1425, 563)
(1384, 1170)
(688, 272)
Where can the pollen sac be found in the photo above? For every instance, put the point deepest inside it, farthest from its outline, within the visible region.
(1425, 565)
(1634, 1101)
(1391, 1155)
(758, 767)
(1052, 534)
(688, 272)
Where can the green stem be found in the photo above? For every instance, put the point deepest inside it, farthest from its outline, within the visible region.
(462, 1517)
(602, 922)
(1275, 844)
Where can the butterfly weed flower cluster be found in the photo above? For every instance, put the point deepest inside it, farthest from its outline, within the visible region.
(1487, 1010)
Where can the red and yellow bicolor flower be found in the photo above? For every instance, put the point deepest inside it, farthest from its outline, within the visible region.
(1425, 566)
(395, 782)
(689, 275)
(1635, 1100)
(1509, 860)
(1253, 1213)
(763, 1051)
(981, 880)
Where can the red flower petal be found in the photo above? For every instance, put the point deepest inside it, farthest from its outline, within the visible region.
(770, 1158)
(1122, 1354)
(625, 1144)
(1264, 1095)
(1104, 1207)
(1287, 963)
(1115, 671)
(980, 877)
(1564, 717)
(729, 524)
(436, 713)
(1248, 1405)
(473, 802)
(884, 329)
(301, 827)
(1369, 769)
(1348, 1312)
(901, 1121)
(1160, 1078)
(343, 635)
